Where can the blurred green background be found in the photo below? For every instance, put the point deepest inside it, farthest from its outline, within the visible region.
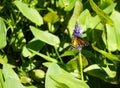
(35, 41)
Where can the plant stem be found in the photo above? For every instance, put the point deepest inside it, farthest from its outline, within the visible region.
(58, 54)
(81, 66)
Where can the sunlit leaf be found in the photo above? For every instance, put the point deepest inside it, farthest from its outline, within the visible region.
(67, 4)
(106, 54)
(11, 78)
(43, 56)
(67, 53)
(104, 17)
(95, 20)
(3, 33)
(72, 64)
(30, 13)
(94, 70)
(45, 36)
(115, 15)
(13, 83)
(53, 69)
(105, 72)
(1, 79)
(111, 40)
(68, 82)
(34, 44)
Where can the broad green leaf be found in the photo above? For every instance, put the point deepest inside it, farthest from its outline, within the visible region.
(55, 76)
(111, 40)
(30, 13)
(9, 72)
(103, 72)
(85, 17)
(115, 15)
(53, 69)
(110, 56)
(68, 81)
(95, 70)
(13, 83)
(67, 53)
(43, 56)
(72, 65)
(96, 20)
(104, 17)
(1, 79)
(67, 4)
(34, 44)
(77, 10)
(3, 33)
(11, 78)
(45, 36)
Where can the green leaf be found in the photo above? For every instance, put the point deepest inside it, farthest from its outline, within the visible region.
(68, 82)
(9, 72)
(105, 72)
(43, 56)
(53, 69)
(11, 78)
(30, 13)
(115, 15)
(105, 3)
(67, 53)
(34, 44)
(45, 36)
(84, 18)
(1, 79)
(68, 5)
(111, 40)
(3, 33)
(72, 65)
(110, 56)
(13, 83)
(95, 20)
(55, 76)
(104, 17)
(96, 71)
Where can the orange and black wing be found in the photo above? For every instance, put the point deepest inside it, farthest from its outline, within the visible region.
(78, 42)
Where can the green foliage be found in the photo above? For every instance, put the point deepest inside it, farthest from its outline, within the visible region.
(3, 32)
(35, 41)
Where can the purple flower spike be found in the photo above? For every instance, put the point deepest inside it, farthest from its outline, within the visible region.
(77, 30)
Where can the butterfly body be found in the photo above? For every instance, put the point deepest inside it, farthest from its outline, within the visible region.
(78, 42)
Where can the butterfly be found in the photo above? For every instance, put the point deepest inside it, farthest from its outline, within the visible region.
(78, 42)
